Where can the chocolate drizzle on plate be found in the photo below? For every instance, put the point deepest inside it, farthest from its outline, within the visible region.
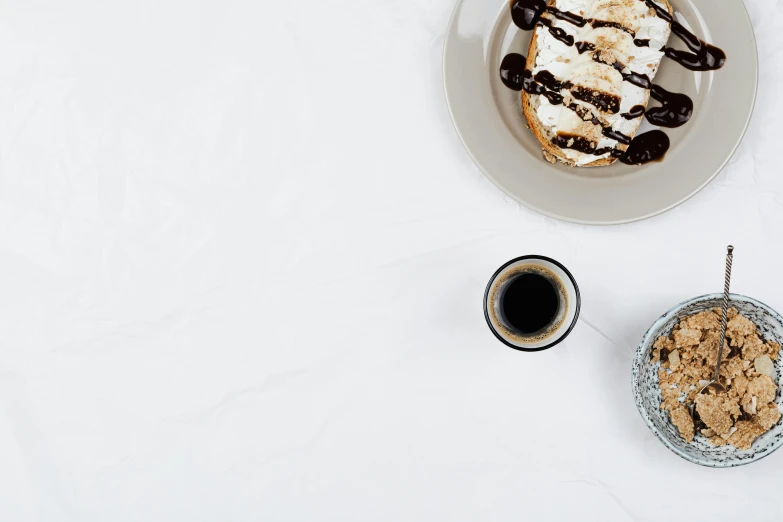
(647, 147)
(512, 70)
(675, 110)
(526, 13)
(704, 56)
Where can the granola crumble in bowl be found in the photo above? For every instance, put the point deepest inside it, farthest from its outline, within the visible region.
(677, 357)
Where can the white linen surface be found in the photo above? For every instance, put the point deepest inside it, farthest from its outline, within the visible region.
(242, 257)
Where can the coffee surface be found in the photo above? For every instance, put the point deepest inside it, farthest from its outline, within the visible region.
(528, 303)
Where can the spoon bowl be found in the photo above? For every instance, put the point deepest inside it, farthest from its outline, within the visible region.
(714, 386)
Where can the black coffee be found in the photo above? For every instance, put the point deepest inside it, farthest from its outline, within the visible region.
(530, 302)
(527, 303)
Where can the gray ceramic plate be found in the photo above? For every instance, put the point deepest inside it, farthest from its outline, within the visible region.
(648, 396)
(489, 121)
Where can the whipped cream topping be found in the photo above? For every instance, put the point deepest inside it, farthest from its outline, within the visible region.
(565, 63)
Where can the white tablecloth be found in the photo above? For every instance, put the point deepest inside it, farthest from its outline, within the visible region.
(242, 256)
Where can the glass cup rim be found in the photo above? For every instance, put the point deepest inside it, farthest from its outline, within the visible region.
(577, 305)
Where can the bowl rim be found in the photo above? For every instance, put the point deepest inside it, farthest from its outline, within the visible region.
(637, 393)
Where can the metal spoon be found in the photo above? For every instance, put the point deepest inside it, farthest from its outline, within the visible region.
(715, 384)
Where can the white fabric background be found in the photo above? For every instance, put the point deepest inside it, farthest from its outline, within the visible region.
(242, 256)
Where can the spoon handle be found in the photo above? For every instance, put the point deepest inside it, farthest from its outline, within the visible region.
(729, 260)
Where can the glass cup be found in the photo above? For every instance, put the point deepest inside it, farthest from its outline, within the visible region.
(562, 302)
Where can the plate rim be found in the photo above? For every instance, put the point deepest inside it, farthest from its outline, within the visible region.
(530, 205)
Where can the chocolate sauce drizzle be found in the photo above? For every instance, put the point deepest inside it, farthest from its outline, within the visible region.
(516, 77)
(607, 102)
(583, 47)
(675, 110)
(572, 18)
(617, 136)
(704, 56)
(644, 148)
(512, 70)
(548, 80)
(638, 79)
(647, 147)
(587, 115)
(558, 32)
(603, 23)
(574, 142)
(526, 13)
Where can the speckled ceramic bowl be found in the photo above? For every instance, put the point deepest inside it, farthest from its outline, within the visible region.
(648, 396)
